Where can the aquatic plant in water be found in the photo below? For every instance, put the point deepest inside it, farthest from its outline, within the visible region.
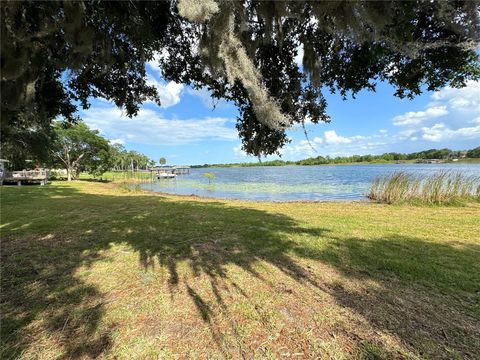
(209, 176)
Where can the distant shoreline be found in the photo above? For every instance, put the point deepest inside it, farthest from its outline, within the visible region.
(400, 162)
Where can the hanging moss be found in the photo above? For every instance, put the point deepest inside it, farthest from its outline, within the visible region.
(226, 46)
(197, 11)
(239, 66)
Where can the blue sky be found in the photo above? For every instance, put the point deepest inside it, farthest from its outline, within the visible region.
(186, 129)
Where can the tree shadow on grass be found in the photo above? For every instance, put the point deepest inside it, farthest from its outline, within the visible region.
(39, 264)
(428, 293)
(49, 233)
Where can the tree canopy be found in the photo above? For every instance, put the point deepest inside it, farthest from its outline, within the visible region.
(129, 160)
(78, 148)
(474, 153)
(57, 55)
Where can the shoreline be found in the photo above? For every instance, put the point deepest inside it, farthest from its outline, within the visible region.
(469, 161)
(256, 201)
(366, 201)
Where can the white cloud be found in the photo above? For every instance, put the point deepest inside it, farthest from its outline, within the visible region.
(150, 128)
(463, 121)
(461, 103)
(463, 99)
(331, 137)
(439, 132)
(418, 117)
(117, 141)
(169, 93)
(335, 145)
(405, 134)
(301, 149)
(239, 153)
(305, 147)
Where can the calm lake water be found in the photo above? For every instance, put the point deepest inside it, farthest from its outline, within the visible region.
(289, 183)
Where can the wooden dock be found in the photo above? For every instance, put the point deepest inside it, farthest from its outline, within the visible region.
(176, 170)
(25, 176)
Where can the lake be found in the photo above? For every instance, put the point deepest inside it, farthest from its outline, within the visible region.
(290, 183)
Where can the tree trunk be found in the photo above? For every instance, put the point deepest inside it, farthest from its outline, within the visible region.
(69, 174)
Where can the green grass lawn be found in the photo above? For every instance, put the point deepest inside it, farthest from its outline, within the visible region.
(118, 176)
(90, 270)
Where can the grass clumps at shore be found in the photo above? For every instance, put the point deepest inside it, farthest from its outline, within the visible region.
(444, 187)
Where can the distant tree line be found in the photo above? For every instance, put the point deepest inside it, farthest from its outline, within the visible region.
(439, 154)
(77, 148)
(124, 160)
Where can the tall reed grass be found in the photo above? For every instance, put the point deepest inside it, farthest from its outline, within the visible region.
(443, 187)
